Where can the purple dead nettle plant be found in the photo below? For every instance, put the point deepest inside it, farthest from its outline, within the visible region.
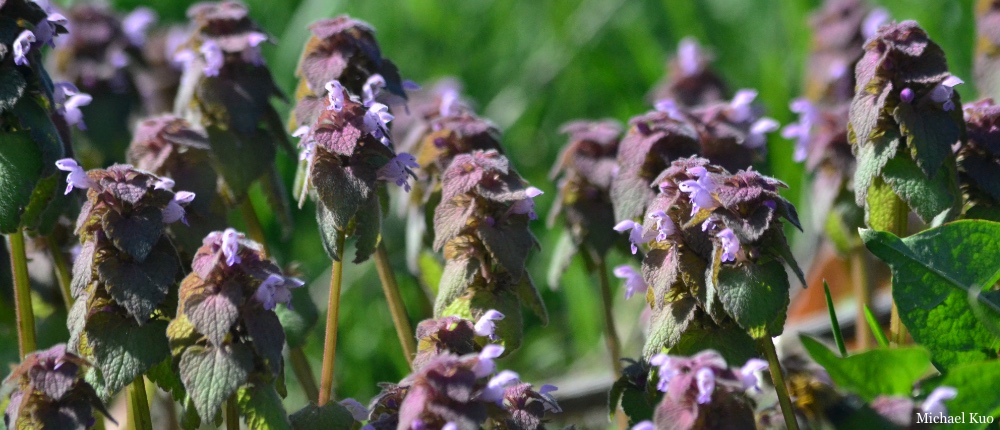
(125, 271)
(102, 58)
(456, 383)
(840, 29)
(226, 89)
(170, 146)
(49, 392)
(690, 80)
(731, 134)
(482, 226)
(226, 319)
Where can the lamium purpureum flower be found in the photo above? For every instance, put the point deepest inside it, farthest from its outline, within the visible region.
(68, 100)
(634, 283)
(136, 24)
(230, 243)
(801, 131)
(398, 170)
(637, 234)
(703, 374)
(495, 387)
(741, 106)
(335, 94)
(944, 92)
(277, 289)
(214, 59)
(664, 225)
(21, 47)
(371, 88)
(527, 204)
(485, 365)
(486, 326)
(934, 403)
(730, 244)
(699, 190)
(175, 209)
(77, 177)
(377, 122)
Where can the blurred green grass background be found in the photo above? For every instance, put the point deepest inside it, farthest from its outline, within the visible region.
(532, 66)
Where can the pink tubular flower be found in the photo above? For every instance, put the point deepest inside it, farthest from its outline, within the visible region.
(164, 184)
(371, 88)
(748, 373)
(376, 121)
(666, 370)
(214, 58)
(231, 245)
(740, 108)
(77, 176)
(636, 235)
(758, 131)
(730, 244)
(136, 23)
(527, 205)
(397, 170)
(699, 191)
(175, 209)
(495, 387)
(688, 56)
(486, 326)
(644, 425)
(634, 283)
(934, 404)
(21, 47)
(485, 365)
(68, 100)
(358, 411)
(705, 378)
(277, 289)
(448, 99)
(669, 107)
(943, 92)
(664, 225)
(802, 130)
(307, 144)
(336, 95)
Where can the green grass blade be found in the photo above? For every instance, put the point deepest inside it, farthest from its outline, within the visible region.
(883, 341)
(837, 335)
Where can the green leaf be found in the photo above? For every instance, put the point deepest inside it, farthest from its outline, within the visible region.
(873, 373)
(165, 377)
(977, 391)
(141, 287)
(669, 323)
(872, 157)
(876, 328)
(834, 324)
(213, 315)
(927, 197)
(240, 158)
(936, 276)
(476, 302)
(756, 296)
(123, 350)
(458, 275)
(367, 228)
(137, 233)
(328, 231)
(20, 170)
(12, 85)
(266, 335)
(331, 416)
(211, 375)
(930, 133)
(262, 409)
(735, 345)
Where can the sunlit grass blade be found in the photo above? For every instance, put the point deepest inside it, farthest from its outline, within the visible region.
(837, 335)
(883, 342)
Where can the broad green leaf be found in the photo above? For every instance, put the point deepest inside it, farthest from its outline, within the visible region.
(669, 323)
(328, 232)
(262, 409)
(140, 287)
(166, 377)
(331, 416)
(137, 233)
(456, 277)
(872, 373)
(367, 228)
(756, 296)
(266, 335)
(213, 315)
(930, 133)
(977, 391)
(927, 197)
(123, 350)
(211, 375)
(20, 170)
(872, 157)
(937, 275)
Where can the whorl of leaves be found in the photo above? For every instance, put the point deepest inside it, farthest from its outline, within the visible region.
(726, 133)
(49, 392)
(170, 146)
(586, 167)
(690, 79)
(126, 269)
(223, 336)
(904, 119)
(343, 169)
(453, 389)
(979, 158)
(692, 290)
(227, 89)
(728, 407)
(443, 335)
(30, 142)
(482, 225)
(448, 136)
(342, 49)
(986, 69)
